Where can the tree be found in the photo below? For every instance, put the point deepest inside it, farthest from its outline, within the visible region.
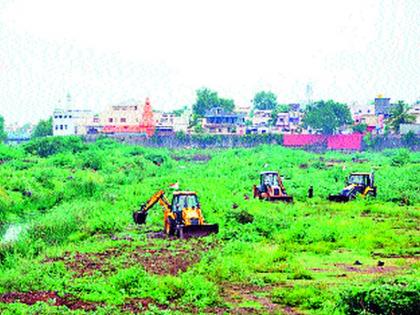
(327, 116)
(400, 115)
(227, 104)
(265, 100)
(208, 99)
(410, 139)
(360, 128)
(3, 134)
(180, 111)
(43, 129)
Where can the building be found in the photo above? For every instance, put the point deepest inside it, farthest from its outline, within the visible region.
(415, 111)
(127, 117)
(169, 123)
(383, 106)
(261, 118)
(67, 122)
(217, 121)
(288, 123)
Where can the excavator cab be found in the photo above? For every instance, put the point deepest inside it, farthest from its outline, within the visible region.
(362, 184)
(271, 188)
(182, 217)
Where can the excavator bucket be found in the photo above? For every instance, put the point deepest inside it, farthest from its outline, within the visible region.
(338, 198)
(140, 217)
(190, 231)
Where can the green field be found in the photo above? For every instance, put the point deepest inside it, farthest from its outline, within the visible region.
(69, 205)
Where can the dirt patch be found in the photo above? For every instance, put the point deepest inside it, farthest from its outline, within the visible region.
(369, 269)
(164, 261)
(161, 261)
(333, 162)
(413, 256)
(356, 160)
(49, 297)
(236, 294)
(193, 158)
(138, 305)
(86, 264)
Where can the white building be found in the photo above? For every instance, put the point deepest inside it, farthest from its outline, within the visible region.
(67, 122)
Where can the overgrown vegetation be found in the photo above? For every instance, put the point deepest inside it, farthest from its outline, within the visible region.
(73, 204)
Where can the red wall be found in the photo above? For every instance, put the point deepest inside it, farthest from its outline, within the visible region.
(302, 140)
(345, 142)
(334, 142)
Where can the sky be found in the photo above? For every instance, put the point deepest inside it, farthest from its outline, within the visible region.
(103, 52)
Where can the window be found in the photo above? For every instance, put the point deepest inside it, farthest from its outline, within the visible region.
(61, 127)
(135, 107)
(110, 120)
(56, 127)
(65, 127)
(60, 116)
(123, 119)
(70, 116)
(65, 116)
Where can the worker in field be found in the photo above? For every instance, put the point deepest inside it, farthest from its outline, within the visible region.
(310, 191)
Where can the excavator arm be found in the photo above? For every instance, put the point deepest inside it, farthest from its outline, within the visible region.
(140, 216)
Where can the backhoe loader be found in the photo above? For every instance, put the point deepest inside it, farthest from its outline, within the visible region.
(271, 188)
(182, 217)
(362, 184)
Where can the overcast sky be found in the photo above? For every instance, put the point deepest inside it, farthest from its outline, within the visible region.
(103, 52)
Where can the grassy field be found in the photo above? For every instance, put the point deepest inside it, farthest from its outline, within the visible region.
(70, 246)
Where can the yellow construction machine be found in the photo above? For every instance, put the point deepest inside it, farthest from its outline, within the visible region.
(362, 184)
(271, 188)
(182, 217)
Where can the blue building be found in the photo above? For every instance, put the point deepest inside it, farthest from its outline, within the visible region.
(218, 121)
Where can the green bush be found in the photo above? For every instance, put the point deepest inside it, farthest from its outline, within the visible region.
(387, 297)
(401, 158)
(307, 297)
(44, 147)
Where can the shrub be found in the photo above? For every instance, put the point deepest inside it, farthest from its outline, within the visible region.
(308, 297)
(44, 147)
(399, 296)
(401, 158)
(92, 159)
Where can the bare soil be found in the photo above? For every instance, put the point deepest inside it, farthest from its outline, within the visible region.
(236, 294)
(49, 297)
(162, 261)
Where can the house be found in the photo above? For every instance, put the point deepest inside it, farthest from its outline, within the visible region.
(169, 123)
(67, 122)
(130, 118)
(261, 118)
(217, 121)
(383, 106)
(288, 123)
(415, 111)
(374, 123)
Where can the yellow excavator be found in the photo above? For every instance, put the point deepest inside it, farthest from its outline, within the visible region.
(362, 184)
(182, 217)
